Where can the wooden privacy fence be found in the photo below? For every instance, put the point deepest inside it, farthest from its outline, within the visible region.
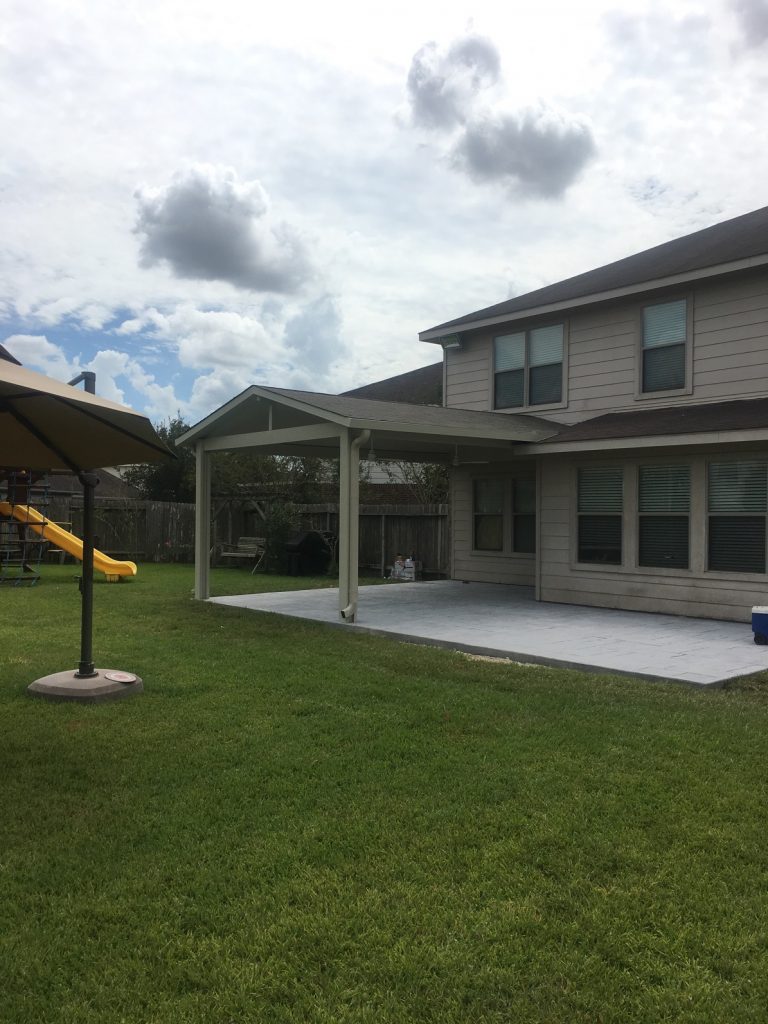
(420, 531)
(148, 531)
(162, 531)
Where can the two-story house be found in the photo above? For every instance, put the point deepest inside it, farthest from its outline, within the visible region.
(653, 493)
(607, 435)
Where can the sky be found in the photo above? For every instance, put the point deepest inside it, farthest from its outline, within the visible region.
(196, 197)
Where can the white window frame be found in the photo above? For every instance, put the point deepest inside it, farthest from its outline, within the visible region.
(661, 396)
(526, 330)
(508, 518)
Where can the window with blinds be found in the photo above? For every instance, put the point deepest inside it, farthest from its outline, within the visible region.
(600, 508)
(665, 333)
(664, 505)
(524, 515)
(737, 505)
(504, 515)
(528, 367)
(488, 515)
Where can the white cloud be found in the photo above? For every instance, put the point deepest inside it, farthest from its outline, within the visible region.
(303, 109)
(533, 152)
(208, 338)
(314, 335)
(209, 225)
(210, 390)
(752, 17)
(444, 84)
(38, 353)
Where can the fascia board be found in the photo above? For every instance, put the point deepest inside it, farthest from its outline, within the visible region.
(647, 441)
(432, 430)
(268, 438)
(256, 391)
(434, 334)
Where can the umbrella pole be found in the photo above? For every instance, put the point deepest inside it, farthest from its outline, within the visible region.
(86, 669)
(88, 684)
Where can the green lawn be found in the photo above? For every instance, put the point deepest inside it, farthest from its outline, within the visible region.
(299, 824)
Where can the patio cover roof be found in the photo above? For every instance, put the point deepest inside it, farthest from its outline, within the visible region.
(286, 422)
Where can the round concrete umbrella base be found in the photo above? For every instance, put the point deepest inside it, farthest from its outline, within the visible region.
(107, 684)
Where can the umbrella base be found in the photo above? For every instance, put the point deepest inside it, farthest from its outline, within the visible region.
(107, 684)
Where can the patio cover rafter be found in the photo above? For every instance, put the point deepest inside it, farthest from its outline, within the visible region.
(267, 438)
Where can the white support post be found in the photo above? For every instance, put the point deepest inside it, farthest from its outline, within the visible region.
(349, 523)
(202, 522)
(345, 454)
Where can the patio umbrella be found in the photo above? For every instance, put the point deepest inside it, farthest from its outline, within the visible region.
(45, 424)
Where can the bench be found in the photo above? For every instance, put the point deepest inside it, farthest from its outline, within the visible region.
(247, 548)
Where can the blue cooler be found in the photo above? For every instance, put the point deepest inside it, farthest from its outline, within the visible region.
(760, 624)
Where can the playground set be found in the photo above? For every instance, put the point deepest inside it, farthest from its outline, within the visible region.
(26, 533)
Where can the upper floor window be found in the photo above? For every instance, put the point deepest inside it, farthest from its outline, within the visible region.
(528, 368)
(665, 331)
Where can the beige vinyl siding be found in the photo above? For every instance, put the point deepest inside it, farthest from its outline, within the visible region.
(480, 566)
(468, 375)
(694, 592)
(730, 353)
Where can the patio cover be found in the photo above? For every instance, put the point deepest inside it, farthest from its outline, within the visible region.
(277, 421)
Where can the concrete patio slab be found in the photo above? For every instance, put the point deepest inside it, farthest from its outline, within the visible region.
(505, 621)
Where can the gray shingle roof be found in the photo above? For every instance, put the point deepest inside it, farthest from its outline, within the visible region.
(742, 414)
(423, 386)
(736, 239)
(393, 415)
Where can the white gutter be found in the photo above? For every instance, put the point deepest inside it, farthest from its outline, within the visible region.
(349, 612)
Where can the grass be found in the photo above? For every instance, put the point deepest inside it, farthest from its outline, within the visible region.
(299, 824)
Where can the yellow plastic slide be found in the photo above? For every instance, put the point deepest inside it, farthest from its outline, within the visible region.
(60, 538)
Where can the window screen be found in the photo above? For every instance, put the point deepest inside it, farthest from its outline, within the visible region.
(545, 358)
(524, 515)
(488, 515)
(665, 329)
(509, 375)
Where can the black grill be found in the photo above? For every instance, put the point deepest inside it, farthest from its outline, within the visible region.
(310, 554)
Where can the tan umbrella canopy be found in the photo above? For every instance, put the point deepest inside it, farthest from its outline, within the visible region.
(45, 424)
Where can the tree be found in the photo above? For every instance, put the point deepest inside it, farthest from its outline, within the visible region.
(171, 479)
(427, 481)
(233, 474)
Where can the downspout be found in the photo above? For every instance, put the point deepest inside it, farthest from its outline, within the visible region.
(350, 612)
